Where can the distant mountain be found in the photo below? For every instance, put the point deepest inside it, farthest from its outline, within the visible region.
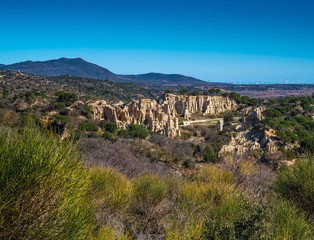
(160, 78)
(63, 66)
(81, 68)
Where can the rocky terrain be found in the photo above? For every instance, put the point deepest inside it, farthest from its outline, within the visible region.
(162, 117)
(234, 125)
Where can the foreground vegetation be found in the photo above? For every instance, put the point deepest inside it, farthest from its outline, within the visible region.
(46, 193)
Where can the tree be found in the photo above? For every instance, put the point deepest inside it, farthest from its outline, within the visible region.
(214, 91)
(168, 91)
(183, 91)
(66, 97)
(210, 155)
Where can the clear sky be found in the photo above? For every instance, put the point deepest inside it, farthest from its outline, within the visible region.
(215, 40)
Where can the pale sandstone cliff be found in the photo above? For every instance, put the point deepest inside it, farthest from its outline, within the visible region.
(204, 105)
(145, 111)
(161, 117)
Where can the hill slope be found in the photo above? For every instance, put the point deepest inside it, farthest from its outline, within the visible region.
(63, 66)
(160, 78)
(17, 83)
(81, 68)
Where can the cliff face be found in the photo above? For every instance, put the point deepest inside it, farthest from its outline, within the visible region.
(204, 105)
(161, 117)
(145, 111)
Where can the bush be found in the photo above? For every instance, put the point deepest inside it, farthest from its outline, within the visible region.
(137, 131)
(307, 146)
(86, 111)
(42, 193)
(88, 126)
(66, 97)
(109, 136)
(64, 119)
(110, 233)
(148, 205)
(109, 126)
(228, 117)
(214, 174)
(109, 191)
(284, 221)
(210, 155)
(183, 91)
(205, 205)
(297, 184)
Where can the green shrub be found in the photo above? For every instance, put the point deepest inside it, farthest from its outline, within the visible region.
(64, 119)
(149, 190)
(109, 190)
(272, 113)
(169, 91)
(187, 163)
(42, 188)
(307, 145)
(88, 126)
(210, 155)
(297, 184)
(109, 126)
(183, 91)
(109, 136)
(137, 131)
(87, 111)
(148, 204)
(29, 119)
(66, 97)
(200, 205)
(284, 221)
(214, 91)
(110, 233)
(213, 174)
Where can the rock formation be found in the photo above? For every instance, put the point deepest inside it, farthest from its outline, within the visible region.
(161, 117)
(145, 111)
(251, 140)
(204, 105)
(252, 115)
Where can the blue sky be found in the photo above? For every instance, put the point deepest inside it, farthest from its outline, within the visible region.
(223, 40)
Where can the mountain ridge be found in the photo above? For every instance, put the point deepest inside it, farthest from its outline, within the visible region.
(81, 68)
(166, 78)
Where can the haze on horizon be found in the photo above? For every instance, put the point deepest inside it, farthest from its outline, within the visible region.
(229, 41)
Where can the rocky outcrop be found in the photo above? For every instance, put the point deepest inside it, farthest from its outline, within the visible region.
(252, 115)
(204, 105)
(145, 111)
(161, 117)
(239, 145)
(251, 140)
